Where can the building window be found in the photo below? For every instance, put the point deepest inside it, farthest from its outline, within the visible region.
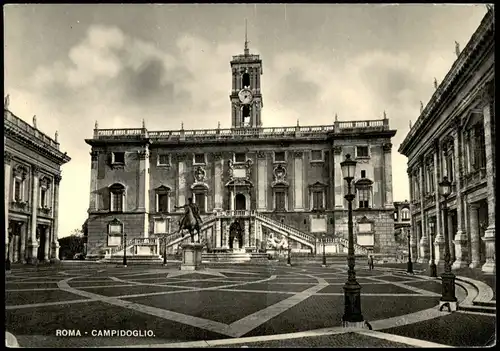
(240, 157)
(317, 196)
(317, 155)
(18, 190)
(280, 200)
(363, 174)
(200, 193)
(364, 197)
(479, 149)
(118, 158)
(246, 113)
(163, 199)
(279, 156)
(199, 199)
(199, 159)
(396, 216)
(405, 214)
(362, 151)
(43, 197)
(245, 80)
(430, 179)
(164, 160)
(317, 200)
(117, 193)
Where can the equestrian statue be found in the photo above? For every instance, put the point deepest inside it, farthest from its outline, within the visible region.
(191, 219)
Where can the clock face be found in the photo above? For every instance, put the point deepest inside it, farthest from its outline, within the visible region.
(245, 96)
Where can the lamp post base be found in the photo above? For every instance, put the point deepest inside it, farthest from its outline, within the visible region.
(355, 325)
(448, 306)
(433, 270)
(409, 268)
(352, 305)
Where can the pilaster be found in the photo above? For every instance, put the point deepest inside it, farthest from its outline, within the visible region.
(218, 192)
(387, 147)
(143, 205)
(181, 181)
(475, 236)
(94, 165)
(55, 224)
(424, 240)
(460, 237)
(261, 181)
(46, 245)
(7, 157)
(339, 180)
(489, 136)
(439, 241)
(33, 244)
(298, 182)
(218, 233)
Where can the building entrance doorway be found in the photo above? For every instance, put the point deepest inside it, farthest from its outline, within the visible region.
(241, 202)
(42, 237)
(235, 236)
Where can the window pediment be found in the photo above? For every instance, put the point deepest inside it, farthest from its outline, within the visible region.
(199, 186)
(363, 182)
(318, 186)
(163, 189)
(364, 219)
(117, 188)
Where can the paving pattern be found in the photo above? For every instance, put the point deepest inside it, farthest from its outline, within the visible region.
(220, 305)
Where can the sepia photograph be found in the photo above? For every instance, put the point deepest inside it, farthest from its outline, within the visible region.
(249, 175)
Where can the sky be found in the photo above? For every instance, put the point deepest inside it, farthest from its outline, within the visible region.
(73, 65)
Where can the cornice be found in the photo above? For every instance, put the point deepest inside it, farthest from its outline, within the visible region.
(37, 146)
(457, 70)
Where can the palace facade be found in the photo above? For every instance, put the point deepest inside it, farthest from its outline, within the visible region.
(254, 185)
(454, 136)
(32, 173)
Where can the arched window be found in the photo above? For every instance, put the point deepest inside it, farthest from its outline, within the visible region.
(405, 214)
(364, 192)
(200, 194)
(245, 114)
(116, 196)
(245, 80)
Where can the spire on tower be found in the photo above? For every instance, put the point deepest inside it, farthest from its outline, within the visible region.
(246, 39)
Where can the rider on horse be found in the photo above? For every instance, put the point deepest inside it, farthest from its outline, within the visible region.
(184, 222)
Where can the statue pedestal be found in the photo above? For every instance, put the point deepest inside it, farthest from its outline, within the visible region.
(191, 257)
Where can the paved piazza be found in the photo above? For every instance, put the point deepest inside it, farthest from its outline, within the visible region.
(224, 305)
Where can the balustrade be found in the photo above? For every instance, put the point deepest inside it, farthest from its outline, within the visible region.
(13, 121)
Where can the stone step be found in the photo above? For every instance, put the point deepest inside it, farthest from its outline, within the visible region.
(492, 303)
(482, 309)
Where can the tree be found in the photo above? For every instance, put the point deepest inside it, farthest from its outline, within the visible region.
(70, 246)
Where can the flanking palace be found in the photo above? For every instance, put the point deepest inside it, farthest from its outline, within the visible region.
(258, 188)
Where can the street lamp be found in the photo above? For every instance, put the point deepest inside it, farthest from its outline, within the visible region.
(352, 290)
(165, 250)
(124, 249)
(432, 265)
(324, 255)
(448, 297)
(410, 264)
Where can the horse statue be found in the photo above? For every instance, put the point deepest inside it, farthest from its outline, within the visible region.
(189, 222)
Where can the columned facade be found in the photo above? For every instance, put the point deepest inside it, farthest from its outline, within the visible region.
(32, 167)
(465, 154)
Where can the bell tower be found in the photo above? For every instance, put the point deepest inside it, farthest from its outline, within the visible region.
(246, 97)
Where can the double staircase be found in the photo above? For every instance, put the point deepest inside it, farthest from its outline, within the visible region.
(132, 246)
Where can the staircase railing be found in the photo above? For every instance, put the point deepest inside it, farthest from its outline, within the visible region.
(120, 247)
(306, 237)
(358, 249)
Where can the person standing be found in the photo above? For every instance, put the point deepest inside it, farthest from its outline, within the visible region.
(370, 263)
